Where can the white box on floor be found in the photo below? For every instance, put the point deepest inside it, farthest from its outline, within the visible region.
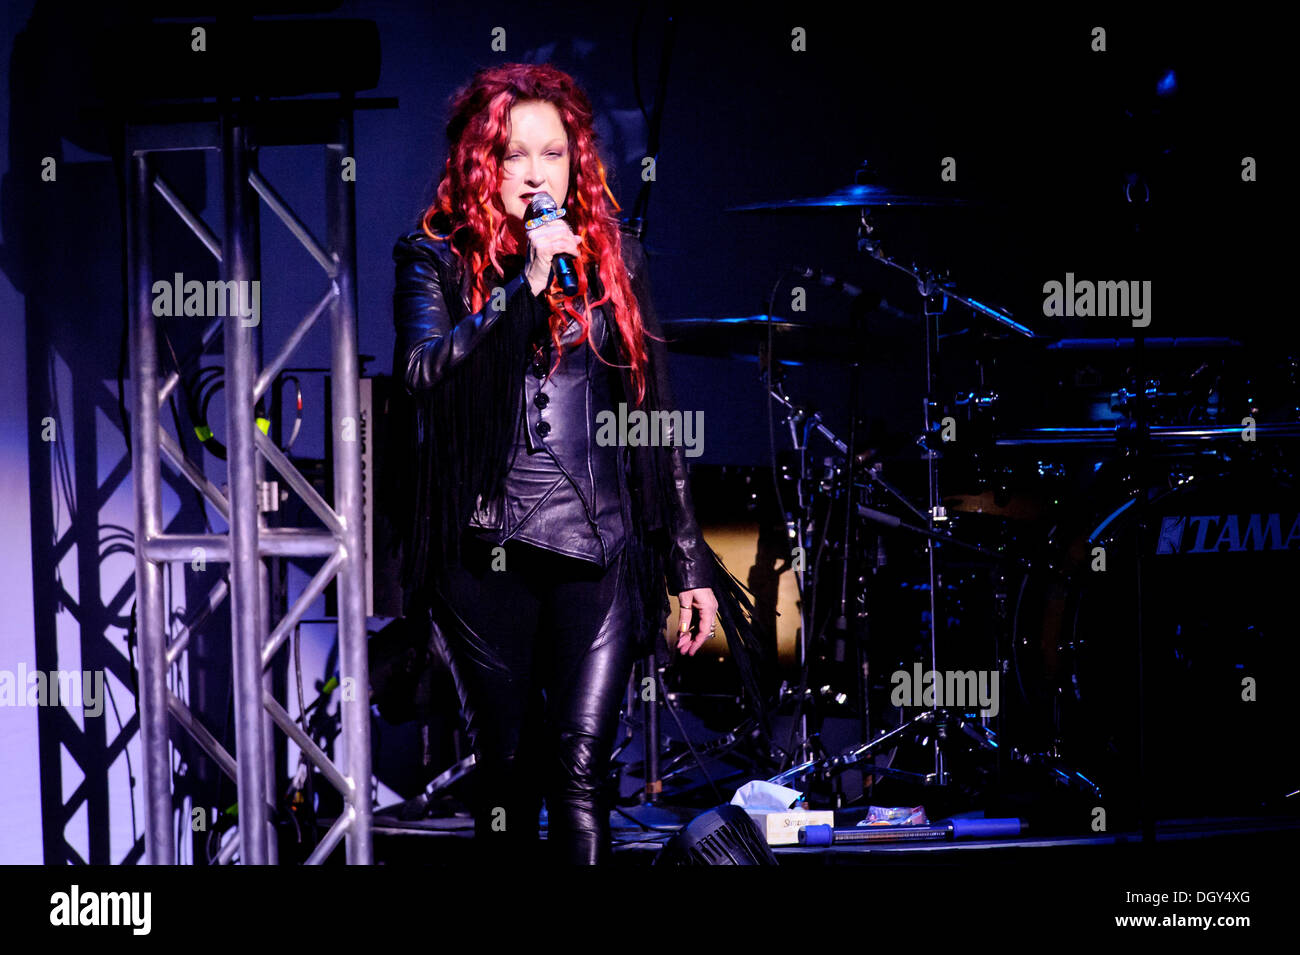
(781, 828)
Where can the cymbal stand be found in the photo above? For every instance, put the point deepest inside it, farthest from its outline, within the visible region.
(940, 724)
(934, 293)
(797, 522)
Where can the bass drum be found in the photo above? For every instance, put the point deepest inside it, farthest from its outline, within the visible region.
(1220, 569)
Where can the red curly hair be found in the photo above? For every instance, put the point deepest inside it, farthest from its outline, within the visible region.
(468, 203)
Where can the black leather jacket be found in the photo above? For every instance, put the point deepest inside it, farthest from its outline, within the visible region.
(564, 491)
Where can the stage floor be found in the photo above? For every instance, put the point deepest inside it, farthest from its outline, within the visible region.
(449, 841)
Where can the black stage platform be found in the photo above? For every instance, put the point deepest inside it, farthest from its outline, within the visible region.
(449, 841)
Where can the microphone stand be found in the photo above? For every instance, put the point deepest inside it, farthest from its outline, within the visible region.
(636, 224)
(636, 221)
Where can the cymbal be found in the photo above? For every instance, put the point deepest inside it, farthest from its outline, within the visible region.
(793, 342)
(858, 195)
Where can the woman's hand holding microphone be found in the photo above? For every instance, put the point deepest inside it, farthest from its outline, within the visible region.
(544, 243)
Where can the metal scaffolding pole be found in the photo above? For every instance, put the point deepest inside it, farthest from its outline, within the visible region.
(241, 460)
(146, 465)
(347, 425)
(255, 640)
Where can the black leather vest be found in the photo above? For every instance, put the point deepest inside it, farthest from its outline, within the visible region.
(564, 491)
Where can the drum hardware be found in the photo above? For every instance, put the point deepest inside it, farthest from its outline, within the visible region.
(1024, 563)
(930, 285)
(813, 421)
(1180, 405)
(1211, 344)
(946, 725)
(1126, 434)
(860, 754)
(800, 420)
(420, 806)
(934, 292)
(799, 519)
(680, 765)
(929, 528)
(855, 196)
(975, 400)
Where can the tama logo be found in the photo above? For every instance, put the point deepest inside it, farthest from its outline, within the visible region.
(1214, 533)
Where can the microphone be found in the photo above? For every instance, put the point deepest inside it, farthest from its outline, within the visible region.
(862, 301)
(541, 210)
(826, 279)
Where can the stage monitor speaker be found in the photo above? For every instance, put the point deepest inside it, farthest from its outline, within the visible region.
(725, 835)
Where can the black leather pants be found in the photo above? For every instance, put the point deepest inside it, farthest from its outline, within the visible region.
(541, 656)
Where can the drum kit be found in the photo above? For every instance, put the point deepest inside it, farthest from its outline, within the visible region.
(1108, 528)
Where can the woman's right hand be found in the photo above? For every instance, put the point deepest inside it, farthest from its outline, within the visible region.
(544, 244)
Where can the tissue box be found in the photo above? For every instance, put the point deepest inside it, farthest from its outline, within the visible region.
(781, 828)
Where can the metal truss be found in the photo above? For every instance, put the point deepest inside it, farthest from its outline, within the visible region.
(237, 132)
